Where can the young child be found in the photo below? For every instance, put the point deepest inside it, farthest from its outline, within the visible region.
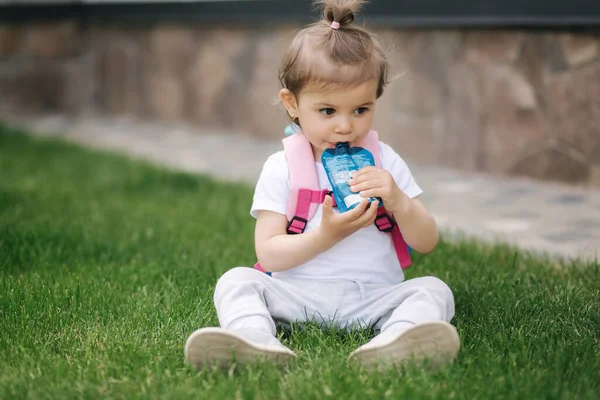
(342, 270)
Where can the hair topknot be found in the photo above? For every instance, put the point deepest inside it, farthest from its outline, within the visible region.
(327, 57)
(341, 11)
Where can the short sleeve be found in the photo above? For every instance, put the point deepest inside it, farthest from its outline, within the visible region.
(395, 165)
(272, 190)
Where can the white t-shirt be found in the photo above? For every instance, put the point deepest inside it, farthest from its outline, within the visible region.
(366, 256)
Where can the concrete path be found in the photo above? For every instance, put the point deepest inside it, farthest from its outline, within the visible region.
(547, 218)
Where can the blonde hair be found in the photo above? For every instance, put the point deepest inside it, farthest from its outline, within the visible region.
(329, 58)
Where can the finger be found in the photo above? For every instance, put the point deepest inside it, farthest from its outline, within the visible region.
(357, 211)
(367, 208)
(365, 185)
(327, 211)
(356, 175)
(377, 192)
(364, 175)
(368, 169)
(373, 212)
(328, 205)
(369, 216)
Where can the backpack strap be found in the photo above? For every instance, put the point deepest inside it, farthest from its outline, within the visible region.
(384, 221)
(306, 199)
(402, 249)
(305, 193)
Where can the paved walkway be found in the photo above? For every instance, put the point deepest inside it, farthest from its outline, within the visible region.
(542, 217)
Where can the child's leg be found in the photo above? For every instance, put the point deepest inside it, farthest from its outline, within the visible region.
(416, 300)
(240, 300)
(414, 320)
(246, 300)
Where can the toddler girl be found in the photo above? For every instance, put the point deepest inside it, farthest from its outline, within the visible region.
(342, 270)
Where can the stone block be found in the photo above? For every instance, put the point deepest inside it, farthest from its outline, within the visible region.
(460, 140)
(492, 47)
(171, 47)
(430, 53)
(166, 77)
(413, 114)
(414, 138)
(218, 78)
(531, 65)
(166, 97)
(410, 131)
(118, 75)
(77, 93)
(579, 48)
(122, 66)
(574, 109)
(262, 113)
(53, 40)
(542, 54)
(37, 87)
(541, 57)
(552, 53)
(512, 121)
(10, 40)
(552, 164)
(416, 94)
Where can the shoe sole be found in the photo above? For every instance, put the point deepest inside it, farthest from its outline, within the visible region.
(209, 346)
(437, 342)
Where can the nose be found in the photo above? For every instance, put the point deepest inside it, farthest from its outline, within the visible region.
(344, 126)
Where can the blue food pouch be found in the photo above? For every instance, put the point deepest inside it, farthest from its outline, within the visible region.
(362, 157)
(340, 166)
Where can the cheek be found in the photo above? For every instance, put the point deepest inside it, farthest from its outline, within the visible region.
(365, 123)
(313, 126)
(367, 119)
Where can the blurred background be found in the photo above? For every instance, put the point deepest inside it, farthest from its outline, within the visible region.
(508, 87)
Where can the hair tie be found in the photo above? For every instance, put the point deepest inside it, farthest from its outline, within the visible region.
(335, 25)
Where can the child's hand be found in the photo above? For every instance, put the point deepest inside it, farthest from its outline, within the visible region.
(339, 226)
(377, 182)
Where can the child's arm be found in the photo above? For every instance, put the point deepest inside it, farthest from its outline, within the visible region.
(418, 227)
(278, 251)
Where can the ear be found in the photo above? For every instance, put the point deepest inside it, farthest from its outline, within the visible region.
(289, 101)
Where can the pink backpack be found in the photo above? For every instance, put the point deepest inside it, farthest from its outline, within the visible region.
(306, 195)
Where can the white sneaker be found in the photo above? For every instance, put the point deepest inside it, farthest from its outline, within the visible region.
(208, 346)
(436, 341)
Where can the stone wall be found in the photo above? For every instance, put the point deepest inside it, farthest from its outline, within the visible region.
(516, 103)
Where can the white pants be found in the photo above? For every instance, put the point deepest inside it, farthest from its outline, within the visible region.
(246, 298)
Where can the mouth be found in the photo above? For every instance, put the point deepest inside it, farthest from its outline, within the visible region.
(332, 144)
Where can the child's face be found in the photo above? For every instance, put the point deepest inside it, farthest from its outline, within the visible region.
(341, 115)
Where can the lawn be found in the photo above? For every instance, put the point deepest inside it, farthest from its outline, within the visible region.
(107, 265)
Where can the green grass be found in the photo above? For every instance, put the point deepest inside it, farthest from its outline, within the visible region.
(107, 265)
